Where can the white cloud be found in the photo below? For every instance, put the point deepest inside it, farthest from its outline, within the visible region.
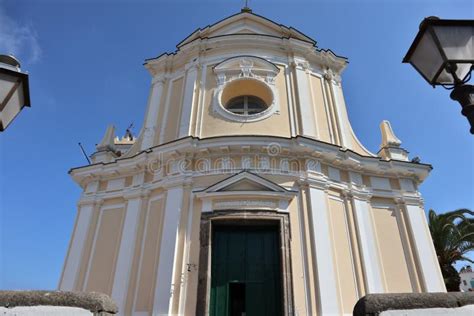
(18, 39)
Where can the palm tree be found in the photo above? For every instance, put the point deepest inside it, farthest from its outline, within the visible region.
(453, 238)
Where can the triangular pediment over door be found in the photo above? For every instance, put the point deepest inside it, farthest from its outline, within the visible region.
(245, 190)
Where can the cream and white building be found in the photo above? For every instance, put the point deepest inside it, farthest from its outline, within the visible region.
(467, 279)
(247, 191)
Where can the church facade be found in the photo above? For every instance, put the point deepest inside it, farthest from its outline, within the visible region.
(247, 191)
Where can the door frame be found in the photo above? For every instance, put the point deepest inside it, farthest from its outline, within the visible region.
(209, 220)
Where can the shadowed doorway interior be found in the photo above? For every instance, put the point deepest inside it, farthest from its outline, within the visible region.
(245, 271)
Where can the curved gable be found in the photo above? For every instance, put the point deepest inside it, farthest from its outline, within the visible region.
(246, 22)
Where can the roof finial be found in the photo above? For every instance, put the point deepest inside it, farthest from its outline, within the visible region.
(246, 7)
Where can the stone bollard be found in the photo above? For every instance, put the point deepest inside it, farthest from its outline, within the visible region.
(26, 303)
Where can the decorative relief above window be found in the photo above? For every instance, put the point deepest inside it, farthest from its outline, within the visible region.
(246, 89)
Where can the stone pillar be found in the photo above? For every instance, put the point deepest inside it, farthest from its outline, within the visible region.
(151, 120)
(188, 100)
(322, 249)
(367, 241)
(121, 283)
(425, 253)
(169, 239)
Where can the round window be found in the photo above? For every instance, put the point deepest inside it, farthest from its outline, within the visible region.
(246, 99)
(246, 105)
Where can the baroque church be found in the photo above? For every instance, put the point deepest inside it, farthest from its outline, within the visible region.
(246, 191)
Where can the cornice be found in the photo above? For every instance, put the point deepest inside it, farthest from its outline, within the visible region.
(362, 195)
(94, 200)
(266, 44)
(410, 199)
(135, 193)
(318, 183)
(297, 148)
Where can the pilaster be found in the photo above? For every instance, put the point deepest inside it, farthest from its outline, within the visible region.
(188, 100)
(135, 200)
(290, 98)
(327, 83)
(151, 120)
(187, 267)
(413, 268)
(339, 109)
(166, 260)
(303, 211)
(355, 249)
(367, 242)
(78, 244)
(323, 250)
(306, 109)
(425, 254)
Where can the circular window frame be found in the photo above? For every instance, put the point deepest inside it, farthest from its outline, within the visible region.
(220, 107)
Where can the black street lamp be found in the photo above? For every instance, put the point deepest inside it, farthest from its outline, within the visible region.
(443, 53)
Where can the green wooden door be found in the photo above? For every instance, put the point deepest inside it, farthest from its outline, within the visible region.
(245, 273)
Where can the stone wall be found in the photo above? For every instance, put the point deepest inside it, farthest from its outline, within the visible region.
(415, 304)
(25, 303)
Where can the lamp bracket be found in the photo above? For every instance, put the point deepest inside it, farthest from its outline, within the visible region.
(464, 94)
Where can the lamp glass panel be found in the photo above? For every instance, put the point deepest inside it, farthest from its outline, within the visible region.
(456, 41)
(13, 106)
(6, 84)
(426, 57)
(461, 72)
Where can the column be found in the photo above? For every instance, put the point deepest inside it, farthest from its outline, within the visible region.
(78, 239)
(323, 252)
(127, 248)
(169, 238)
(151, 120)
(367, 243)
(188, 100)
(425, 253)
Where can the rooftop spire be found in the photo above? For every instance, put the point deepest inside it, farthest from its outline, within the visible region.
(390, 147)
(107, 142)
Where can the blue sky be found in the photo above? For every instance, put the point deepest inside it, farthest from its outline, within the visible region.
(85, 63)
